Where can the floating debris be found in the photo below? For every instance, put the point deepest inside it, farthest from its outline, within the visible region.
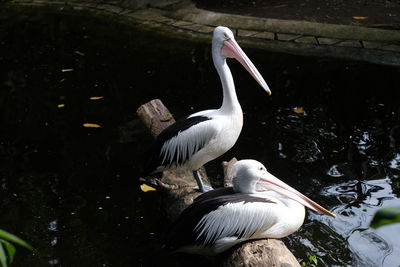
(67, 70)
(299, 110)
(79, 53)
(145, 188)
(91, 125)
(96, 97)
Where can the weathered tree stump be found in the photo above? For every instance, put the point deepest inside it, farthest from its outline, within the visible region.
(261, 253)
(155, 116)
(177, 187)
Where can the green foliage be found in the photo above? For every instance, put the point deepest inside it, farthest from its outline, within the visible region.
(7, 249)
(385, 216)
(312, 262)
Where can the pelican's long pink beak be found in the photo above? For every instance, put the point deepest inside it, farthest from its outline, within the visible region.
(231, 49)
(270, 182)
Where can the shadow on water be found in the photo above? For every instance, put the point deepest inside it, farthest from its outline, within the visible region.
(331, 129)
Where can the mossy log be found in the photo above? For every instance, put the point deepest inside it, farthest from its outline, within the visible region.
(178, 193)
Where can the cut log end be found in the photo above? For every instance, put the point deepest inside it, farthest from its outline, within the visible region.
(227, 166)
(155, 116)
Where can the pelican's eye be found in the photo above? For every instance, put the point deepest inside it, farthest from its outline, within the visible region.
(262, 168)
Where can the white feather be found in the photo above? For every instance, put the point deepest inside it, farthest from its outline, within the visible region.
(204, 141)
(253, 219)
(249, 218)
(188, 142)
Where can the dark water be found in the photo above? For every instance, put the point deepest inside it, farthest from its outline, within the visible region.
(72, 191)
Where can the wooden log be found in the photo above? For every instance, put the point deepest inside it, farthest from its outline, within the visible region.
(155, 116)
(261, 253)
(178, 193)
(227, 166)
(177, 185)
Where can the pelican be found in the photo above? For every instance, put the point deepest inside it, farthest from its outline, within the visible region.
(206, 135)
(259, 205)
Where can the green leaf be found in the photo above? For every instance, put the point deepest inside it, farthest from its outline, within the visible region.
(313, 260)
(12, 238)
(3, 257)
(385, 216)
(10, 250)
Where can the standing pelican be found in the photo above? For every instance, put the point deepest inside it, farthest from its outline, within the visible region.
(206, 135)
(259, 205)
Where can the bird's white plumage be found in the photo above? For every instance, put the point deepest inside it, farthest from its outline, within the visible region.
(183, 146)
(235, 219)
(207, 140)
(214, 137)
(219, 219)
(251, 220)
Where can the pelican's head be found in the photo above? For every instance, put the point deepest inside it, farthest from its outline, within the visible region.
(224, 46)
(250, 176)
(246, 174)
(221, 34)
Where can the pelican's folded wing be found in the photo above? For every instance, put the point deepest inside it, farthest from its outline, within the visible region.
(179, 142)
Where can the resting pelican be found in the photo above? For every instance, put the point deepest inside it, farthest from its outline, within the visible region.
(206, 135)
(259, 205)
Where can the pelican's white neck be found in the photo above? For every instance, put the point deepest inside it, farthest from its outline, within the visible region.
(230, 101)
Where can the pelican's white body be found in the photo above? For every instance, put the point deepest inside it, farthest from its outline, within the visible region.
(226, 128)
(221, 132)
(274, 220)
(258, 205)
(208, 134)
